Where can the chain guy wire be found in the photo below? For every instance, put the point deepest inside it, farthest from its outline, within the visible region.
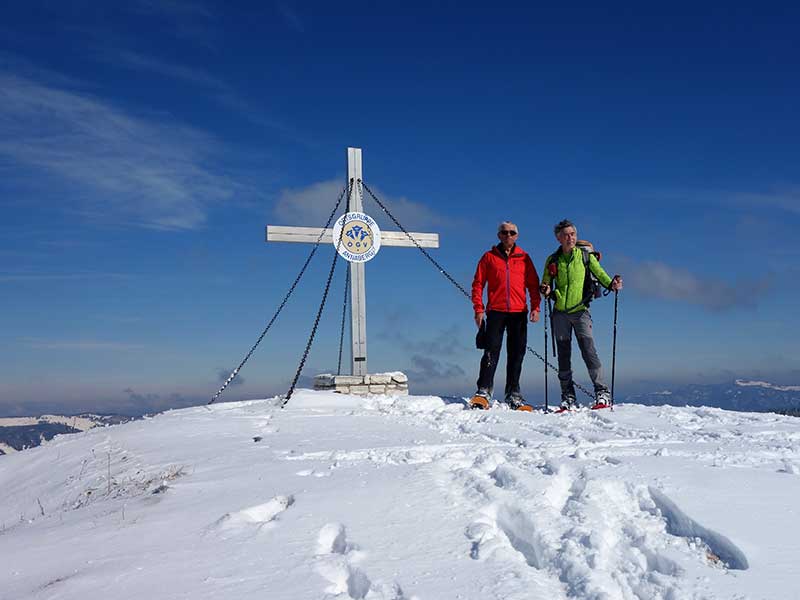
(452, 280)
(316, 321)
(288, 294)
(344, 315)
(411, 237)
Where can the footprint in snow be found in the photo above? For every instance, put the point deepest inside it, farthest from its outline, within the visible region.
(337, 560)
(313, 472)
(333, 540)
(260, 516)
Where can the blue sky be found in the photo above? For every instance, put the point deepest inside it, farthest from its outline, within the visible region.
(143, 148)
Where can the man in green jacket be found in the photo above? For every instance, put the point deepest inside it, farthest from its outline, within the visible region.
(564, 274)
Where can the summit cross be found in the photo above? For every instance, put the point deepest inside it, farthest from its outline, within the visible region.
(358, 294)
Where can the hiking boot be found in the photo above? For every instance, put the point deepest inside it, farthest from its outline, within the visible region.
(603, 397)
(569, 401)
(514, 400)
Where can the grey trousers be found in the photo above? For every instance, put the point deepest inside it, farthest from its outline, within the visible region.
(581, 323)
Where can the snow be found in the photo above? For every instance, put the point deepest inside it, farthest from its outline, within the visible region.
(401, 498)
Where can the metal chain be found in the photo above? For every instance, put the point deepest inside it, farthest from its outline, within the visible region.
(344, 315)
(452, 280)
(288, 294)
(411, 237)
(316, 321)
(554, 368)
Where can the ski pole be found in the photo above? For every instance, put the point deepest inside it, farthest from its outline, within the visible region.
(546, 316)
(614, 348)
(552, 329)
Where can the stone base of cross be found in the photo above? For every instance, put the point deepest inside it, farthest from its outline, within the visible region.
(358, 296)
(394, 383)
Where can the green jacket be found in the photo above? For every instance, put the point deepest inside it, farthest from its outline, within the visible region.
(567, 289)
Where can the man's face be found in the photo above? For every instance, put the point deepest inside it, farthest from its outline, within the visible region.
(507, 235)
(567, 237)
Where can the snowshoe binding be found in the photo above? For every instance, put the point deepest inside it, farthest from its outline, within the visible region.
(602, 400)
(568, 403)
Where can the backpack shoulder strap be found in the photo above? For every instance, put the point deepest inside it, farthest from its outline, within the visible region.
(585, 254)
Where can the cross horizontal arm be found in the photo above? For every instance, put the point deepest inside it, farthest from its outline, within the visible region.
(310, 235)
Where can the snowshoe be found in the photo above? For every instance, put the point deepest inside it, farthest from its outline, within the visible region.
(515, 401)
(480, 400)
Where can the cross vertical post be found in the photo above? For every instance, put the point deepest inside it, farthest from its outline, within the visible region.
(358, 294)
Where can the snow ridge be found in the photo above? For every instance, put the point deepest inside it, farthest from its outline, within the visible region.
(407, 499)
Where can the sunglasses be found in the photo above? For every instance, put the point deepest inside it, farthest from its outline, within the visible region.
(507, 232)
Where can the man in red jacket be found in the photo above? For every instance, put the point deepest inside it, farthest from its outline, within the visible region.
(508, 271)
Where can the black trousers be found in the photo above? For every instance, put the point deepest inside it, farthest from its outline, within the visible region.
(516, 324)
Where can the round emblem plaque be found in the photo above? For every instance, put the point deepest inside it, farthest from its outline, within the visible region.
(360, 237)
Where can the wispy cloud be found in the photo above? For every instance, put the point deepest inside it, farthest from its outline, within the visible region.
(78, 345)
(426, 369)
(128, 169)
(141, 62)
(142, 403)
(291, 17)
(187, 20)
(659, 280)
(785, 199)
(311, 205)
(175, 8)
(448, 341)
(219, 91)
(434, 355)
(23, 277)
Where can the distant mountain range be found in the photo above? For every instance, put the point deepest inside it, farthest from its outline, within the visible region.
(742, 395)
(20, 433)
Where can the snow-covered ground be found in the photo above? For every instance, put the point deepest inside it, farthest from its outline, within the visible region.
(411, 497)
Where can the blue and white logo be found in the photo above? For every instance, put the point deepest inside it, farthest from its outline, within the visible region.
(356, 237)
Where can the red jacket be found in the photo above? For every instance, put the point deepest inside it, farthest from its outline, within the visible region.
(508, 277)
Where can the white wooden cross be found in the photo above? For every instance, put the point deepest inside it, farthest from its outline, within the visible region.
(358, 295)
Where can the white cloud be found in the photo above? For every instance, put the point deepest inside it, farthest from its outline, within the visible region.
(127, 169)
(785, 198)
(660, 280)
(78, 345)
(141, 62)
(218, 90)
(310, 206)
(32, 276)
